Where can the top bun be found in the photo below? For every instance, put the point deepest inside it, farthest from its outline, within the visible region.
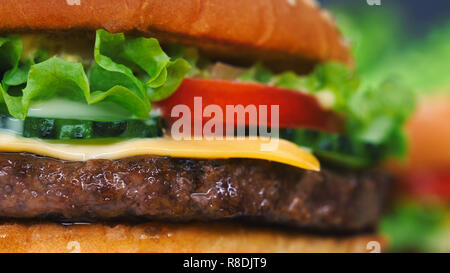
(269, 30)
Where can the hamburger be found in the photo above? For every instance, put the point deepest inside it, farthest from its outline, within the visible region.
(91, 95)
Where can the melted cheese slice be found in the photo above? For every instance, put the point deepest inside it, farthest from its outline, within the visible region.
(285, 152)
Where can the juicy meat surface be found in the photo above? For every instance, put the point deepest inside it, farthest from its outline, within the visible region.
(170, 189)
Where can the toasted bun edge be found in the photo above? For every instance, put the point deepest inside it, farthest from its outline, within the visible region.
(163, 237)
(268, 29)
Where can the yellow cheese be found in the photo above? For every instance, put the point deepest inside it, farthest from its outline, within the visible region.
(285, 152)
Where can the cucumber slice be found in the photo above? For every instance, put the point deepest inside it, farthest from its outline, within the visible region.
(73, 129)
(66, 129)
(40, 128)
(107, 129)
(67, 109)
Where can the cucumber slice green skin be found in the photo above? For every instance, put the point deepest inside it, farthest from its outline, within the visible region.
(11, 124)
(335, 149)
(66, 129)
(42, 128)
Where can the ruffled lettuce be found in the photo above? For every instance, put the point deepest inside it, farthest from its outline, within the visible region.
(13, 75)
(128, 72)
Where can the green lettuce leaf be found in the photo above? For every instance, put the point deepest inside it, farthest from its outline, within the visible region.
(173, 77)
(334, 78)
(10, 53)
(378, 112)
(196, 61)
(290, 80)
(114, 53)
(110, 70)
(128, 72)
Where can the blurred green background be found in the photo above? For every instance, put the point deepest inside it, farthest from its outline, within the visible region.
(406, 38)
(409, 40)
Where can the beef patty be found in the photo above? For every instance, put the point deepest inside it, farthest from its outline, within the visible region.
(172, 189)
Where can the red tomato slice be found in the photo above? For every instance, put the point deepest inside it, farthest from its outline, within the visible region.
(296, 109)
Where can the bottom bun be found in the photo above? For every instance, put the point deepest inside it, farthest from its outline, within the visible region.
(162, 237)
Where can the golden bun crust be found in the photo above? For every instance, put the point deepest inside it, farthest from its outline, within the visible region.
(268, 29)
(159, 237)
